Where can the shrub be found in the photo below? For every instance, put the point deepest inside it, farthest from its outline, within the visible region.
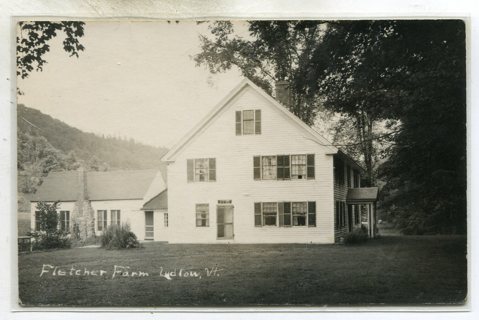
(119, 237)
(49, 236)
(356, 236)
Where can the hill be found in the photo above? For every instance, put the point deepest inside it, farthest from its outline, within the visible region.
(46, 144)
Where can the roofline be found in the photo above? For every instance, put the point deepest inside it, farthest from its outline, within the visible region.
(351, 160)
(159, 194)
(182, 142)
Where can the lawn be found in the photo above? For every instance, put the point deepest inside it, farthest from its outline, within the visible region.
(393, 270)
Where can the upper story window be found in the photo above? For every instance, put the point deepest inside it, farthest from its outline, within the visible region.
(348, 176)
(357, 179)
(284, 167)
(201, 170)
(338, 171)
(248, 122)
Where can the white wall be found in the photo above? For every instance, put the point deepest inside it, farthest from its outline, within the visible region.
(234, 162)
(129, 213)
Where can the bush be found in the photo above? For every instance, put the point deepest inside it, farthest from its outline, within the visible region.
(49, 236)
(52, 240)
(119, 237)
(356, 236)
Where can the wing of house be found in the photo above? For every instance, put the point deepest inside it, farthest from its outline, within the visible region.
(90, 201)
(249, 172)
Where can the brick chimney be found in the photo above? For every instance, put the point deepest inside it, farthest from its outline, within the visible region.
(283, 93)
(83, 215)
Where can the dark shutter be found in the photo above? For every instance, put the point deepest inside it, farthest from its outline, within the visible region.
(238, 123)
(312, 214)
(287, 213)
(281, 214)
(257, 121)
(189, 170)
(279, 168)
(257, 214)
(310, 169)
(257, 168)
(212, 169)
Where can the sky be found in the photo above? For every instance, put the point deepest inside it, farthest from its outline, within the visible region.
(135, 79)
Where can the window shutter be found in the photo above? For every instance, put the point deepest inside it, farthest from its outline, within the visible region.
(312, 214)
(257, 167)
(257, 214)
(310, 168)
(212, 169)
(257, 122)
(189, 170)
(281, 214)
(287, 213)
(279, 168)
(238, 123)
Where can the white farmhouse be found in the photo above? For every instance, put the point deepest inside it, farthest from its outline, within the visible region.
(249, 172)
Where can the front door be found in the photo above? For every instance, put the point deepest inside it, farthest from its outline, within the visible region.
(149, 226)
(224, 220)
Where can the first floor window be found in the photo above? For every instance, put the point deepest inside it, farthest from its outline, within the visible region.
(165, 219)
(270, 211)
(340, 214)
(37, 220)
(115, 217)
(299, 213)
(102, 220)
(202, 215)
(65, 220)
(285, 214)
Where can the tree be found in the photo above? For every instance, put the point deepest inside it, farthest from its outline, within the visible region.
(274, 51)
(33, 42)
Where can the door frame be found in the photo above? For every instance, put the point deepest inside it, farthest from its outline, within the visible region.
(152, 225)
(229, 205)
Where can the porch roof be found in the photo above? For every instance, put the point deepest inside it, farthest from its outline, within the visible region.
(158, 202)
(362, 194)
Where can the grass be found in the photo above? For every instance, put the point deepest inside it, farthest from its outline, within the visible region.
(407, 270)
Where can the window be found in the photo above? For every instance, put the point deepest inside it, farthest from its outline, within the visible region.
(338, 171)
(202, 215)
(248, 122)
(37, 221)
(356, 214)
(201, 170)
(357, 178)
(269, 167)
(283, 167)
(340, 214)
(115, 217)
(285, 214)
(270, 210)
(298, 166)
(165, 219)
(299, 213)
(65, 220)
(102, 217)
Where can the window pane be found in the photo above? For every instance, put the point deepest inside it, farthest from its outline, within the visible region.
(248, 115)
(269, 167)
(248, 127)
(298, 166)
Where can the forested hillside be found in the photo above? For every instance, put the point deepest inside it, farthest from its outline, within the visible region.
(45, 144)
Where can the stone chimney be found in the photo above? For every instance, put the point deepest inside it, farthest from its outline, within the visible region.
(283, 93)
(83, 216)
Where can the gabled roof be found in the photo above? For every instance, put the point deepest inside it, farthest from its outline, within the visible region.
(159, 202)
(362, 194)
(104, 185)
(224, 102)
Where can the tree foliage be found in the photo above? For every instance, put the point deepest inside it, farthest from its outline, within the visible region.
(33, 39)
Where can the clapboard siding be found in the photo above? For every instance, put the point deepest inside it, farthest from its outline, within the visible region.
(234, 177)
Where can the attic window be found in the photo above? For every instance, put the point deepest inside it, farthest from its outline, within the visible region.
(248, 122)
